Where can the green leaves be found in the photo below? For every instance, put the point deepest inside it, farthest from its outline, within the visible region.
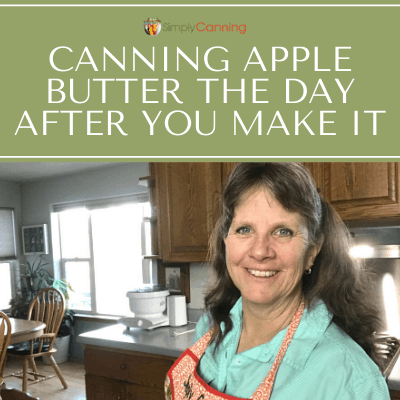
(33, 279)
(63, 286)
(36, 277)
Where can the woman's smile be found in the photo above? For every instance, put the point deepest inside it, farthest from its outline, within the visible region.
(262, 274)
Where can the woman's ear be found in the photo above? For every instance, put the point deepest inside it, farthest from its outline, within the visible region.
(313, 252)
(226, 237)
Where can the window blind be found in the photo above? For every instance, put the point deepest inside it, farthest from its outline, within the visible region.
(8, 249)
(102, 203)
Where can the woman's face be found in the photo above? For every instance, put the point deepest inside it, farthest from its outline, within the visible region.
(266, 250)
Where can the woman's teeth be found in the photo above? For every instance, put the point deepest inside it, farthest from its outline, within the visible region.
(262, 274)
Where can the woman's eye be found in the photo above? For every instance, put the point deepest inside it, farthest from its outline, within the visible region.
(284, 232)
(243, 230)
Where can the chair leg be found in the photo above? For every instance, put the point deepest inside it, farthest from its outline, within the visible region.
(58, 372)
(25, 375)
(33, 365)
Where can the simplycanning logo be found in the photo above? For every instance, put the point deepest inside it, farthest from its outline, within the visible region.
(152, 26)
(203, 27)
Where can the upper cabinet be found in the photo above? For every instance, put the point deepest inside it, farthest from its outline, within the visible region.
(187, 199)
(188, 208)
(359, 191)
(227, 168)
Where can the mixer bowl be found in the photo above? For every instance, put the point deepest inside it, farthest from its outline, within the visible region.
(148, 303)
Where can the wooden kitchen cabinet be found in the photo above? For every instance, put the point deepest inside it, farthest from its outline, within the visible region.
(394, 395)
(227, 168)
(359, 191)
(188, 200)
(100, 388)
(113, 374)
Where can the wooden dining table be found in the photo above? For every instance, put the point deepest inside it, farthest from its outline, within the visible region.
(23, 329)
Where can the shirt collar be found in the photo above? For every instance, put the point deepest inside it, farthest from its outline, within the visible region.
(313, 324)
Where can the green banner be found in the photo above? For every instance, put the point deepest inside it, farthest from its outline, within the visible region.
(202, 82)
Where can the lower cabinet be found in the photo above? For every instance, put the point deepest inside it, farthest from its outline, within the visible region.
(394, 395)
(99, 388)
(125, 375)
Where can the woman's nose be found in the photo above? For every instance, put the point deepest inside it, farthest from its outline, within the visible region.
(261, 248)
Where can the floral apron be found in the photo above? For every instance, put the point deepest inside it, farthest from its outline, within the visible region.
(183, 382)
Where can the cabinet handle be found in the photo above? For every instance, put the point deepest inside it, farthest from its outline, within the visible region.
(123, 367)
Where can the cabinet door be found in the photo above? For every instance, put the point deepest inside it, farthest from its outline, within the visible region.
(137, 392)
(394, 395)
(317, 171)
(141, 369)
(227, 168)
(100, 388)
(363, 190)
(188, 208)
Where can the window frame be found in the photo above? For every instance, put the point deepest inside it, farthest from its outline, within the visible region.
(59, 261)
(13, 278)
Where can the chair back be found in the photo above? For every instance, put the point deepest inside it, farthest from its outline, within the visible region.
(48, 306)
(5, 335)
(14, 394)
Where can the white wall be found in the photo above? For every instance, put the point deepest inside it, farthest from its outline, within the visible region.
(200, 274)
(111, 180)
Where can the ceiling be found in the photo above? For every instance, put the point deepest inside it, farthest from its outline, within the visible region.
(32, 171)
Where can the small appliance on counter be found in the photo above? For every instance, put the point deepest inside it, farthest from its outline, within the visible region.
(153, 307)
(176, 306)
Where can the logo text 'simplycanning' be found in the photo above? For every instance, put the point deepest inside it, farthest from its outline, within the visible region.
(203, 27)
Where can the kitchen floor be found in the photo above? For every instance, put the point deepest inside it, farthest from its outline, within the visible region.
(51, 389)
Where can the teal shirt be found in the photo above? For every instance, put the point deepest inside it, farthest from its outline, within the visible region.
(321, 363)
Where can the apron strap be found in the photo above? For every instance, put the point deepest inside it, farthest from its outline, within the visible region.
(264, 390)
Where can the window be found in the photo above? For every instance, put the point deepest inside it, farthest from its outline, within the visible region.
(5, 285)
(8, 252)
(8, 249)
(102, 244)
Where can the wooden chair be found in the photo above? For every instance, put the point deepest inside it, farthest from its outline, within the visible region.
(5, 335)
(15, 394)
(47, 306)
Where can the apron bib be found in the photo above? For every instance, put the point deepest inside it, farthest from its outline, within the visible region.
(183, 382)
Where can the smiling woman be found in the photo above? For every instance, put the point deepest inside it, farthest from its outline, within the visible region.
(289, 314)
(266, 255)
(265, 241)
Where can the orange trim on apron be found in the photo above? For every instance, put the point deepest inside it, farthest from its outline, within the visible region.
(183, 382)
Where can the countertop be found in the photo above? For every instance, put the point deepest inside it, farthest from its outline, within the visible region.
(157, 341)
(162, 341)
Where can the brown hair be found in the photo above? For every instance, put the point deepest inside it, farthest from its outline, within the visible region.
(337, 278)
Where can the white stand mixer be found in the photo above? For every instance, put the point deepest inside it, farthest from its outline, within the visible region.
(149, 306)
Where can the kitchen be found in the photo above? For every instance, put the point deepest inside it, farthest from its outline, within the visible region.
(360, 192)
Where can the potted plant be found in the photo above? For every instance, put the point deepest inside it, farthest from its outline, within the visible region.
(35, 276)
(33, 279)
